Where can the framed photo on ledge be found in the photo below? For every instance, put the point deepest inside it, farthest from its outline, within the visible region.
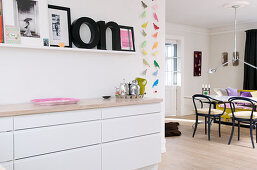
(30, 16)
(127, 38)
(59, 26)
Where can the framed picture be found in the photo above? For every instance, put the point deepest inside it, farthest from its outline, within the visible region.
(60, 26)
(31, 18)
(197, 63)
(127, 38)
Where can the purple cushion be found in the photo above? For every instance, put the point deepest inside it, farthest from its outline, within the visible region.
(232, 92)
(245, 94)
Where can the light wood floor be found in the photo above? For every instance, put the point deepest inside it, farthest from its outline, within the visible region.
(187, 153)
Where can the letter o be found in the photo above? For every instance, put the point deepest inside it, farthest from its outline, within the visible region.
(75, 29)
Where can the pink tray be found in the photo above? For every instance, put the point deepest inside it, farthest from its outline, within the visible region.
(55, 101)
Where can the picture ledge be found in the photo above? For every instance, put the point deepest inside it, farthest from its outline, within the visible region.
(66, 49)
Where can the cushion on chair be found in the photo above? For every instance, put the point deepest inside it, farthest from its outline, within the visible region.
(244, 114)
(206, 111)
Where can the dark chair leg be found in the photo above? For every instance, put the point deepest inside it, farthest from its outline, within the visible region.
(232, 132)
(209, 128)
(219, 126)
(256, 130)
(238, 130)
(196, 123)
(251, 133)
(205, 125)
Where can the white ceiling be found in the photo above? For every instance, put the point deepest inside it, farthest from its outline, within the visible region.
(208, 13)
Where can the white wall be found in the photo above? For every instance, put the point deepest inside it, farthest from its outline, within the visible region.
(193, 39)
(28, 74)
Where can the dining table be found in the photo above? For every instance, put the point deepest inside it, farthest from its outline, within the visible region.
(225, 99)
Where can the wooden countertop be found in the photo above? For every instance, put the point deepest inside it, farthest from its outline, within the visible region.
(83, 104)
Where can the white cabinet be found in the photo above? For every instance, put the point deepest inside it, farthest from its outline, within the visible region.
(6, 124)
(114, 112)
(6, 166)
(87, 158)
(132, 153)
(133, 126)
(38, 141)
(6, 147)
(57, 118)
(115, 138)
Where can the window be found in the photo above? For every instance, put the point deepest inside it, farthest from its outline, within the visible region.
(173, 65)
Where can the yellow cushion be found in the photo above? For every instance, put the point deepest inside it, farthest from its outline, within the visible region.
(254, 94)
(213, 111)
(244, 114)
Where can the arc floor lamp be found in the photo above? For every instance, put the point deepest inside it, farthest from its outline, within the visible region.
(235, 6)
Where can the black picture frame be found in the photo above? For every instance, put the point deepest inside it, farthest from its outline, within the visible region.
(131, 29)
(69, 45)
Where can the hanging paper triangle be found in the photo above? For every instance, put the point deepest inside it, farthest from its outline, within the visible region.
(155, 7)
(145, 25)
(146, 63)
(144, 14)
(144, 72)
(144, 44)
(156, 35)
(156, 27)
(144, 33)
(144, 5)
(156, 53)
(156, 64)
(144, 52)
(155, 83)
(155, 45)
(156, 73)
(156, 17)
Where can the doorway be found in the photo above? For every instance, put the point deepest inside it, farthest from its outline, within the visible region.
(172, 77)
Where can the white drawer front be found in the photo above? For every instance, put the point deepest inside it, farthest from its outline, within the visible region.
(127, 127)
(88, 158)
(48, 119)
(132, 153)
(6, 146)
(114, 112)
(6, 124)
(56, 138)
(6, 166)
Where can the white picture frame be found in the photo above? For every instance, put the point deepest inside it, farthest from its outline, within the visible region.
(14, 17)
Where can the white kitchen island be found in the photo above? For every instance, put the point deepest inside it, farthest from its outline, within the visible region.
(94, 134)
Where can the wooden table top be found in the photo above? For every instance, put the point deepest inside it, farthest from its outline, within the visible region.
(83, 104)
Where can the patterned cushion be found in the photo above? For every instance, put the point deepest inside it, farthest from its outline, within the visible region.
(213, 111)
(244, 114)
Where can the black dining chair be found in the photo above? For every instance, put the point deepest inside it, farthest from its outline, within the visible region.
(207, 112)
(249, 117)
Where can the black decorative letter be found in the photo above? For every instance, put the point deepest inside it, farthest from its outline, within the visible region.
(115, 28)
(76, 25)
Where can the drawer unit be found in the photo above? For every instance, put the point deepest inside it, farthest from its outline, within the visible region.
(88, 158)
(48, 119)
(6, 124)
(44, 140)
(6, 166)
(123, 111)
(127, 127)
(6, 146)
(132, 153)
